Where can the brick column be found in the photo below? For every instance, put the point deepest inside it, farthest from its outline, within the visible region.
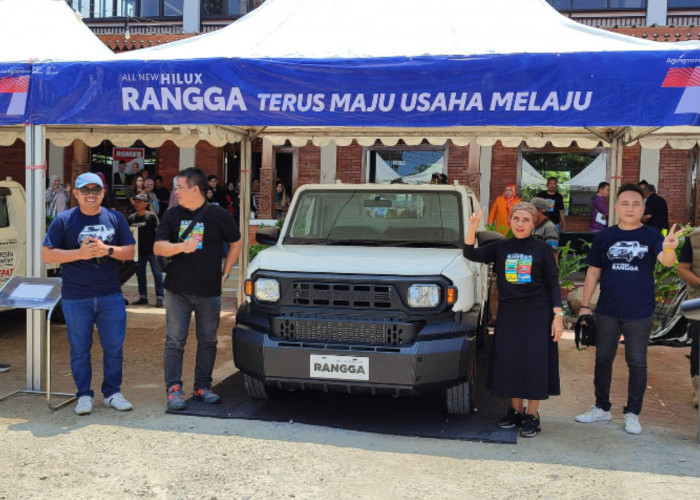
(674, 183)
(350, 163)
(309, 161)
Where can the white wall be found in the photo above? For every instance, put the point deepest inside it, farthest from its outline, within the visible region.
(187, 158)
(329, 156)
(649, 166)
(55, 162)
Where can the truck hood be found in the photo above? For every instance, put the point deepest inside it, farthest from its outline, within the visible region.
(356, 260)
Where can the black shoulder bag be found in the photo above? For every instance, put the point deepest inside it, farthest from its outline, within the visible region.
(584, 331)
(164, 262)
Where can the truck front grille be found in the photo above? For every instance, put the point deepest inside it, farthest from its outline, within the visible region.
(370, 329)
(346, 295)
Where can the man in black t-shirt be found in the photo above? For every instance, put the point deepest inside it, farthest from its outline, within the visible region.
(555, 204)
(194, 280)
(162, 194)
(147, 224)
(655, 208)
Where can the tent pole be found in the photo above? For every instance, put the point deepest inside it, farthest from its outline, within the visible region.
(35, 177)
(616, 147)
(244, 222)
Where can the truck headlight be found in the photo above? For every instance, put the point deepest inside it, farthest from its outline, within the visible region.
(267, 290)
(423, 296)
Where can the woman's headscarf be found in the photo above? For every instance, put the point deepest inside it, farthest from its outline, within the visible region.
(527, 206)
(52, 178)
(513, 198)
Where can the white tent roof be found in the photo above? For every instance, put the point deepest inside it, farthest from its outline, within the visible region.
(329, 28)
(591, 176)
(49, 30)
(384, 172)
(46, 30)
(314, 29)
(530, 176)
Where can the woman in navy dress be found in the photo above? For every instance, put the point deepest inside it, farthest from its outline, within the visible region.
(525, 360)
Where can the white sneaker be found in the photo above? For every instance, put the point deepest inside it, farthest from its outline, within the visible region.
(84, 406)
(632, 424)
(118, 402)
(594, 414)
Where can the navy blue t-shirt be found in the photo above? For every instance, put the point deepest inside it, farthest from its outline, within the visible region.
(627, 259)
(686, 252)
(84, 279)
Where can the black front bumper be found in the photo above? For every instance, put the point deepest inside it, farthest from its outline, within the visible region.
(430, 362)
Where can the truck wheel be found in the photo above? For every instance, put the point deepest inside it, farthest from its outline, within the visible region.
(460, 398)
(254, 387)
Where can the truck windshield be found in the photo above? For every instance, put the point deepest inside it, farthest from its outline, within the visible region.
(381, 218)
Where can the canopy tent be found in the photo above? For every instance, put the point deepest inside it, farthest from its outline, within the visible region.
(35, 35)
(38, 33)
(530, 176)
(299, 70)
(589, 178)
(33, 31)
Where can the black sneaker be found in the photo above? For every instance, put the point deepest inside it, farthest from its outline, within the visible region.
(141, 302)
(512, 418)
(159, 302)
(531, 426)
(4, 367)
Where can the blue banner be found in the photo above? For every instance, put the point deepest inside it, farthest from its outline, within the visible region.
(579, 89)
(14, 90)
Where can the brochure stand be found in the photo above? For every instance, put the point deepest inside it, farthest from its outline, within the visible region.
(23, 292)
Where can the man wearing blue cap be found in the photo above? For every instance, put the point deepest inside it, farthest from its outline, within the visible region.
(88, 240)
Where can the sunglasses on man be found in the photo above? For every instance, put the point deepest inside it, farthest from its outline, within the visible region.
(87, 191)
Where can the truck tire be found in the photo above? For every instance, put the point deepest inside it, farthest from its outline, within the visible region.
(460, 398)
(254, 387)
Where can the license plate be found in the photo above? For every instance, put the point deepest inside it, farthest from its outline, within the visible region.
(339, 367)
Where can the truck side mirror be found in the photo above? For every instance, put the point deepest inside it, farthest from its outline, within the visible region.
(486, 237)
(267, 235)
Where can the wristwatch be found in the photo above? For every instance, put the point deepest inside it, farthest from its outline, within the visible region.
(560, 314)
(110, 251)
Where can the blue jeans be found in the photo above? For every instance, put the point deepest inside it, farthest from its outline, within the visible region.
(636, 332)
(109, 314)
(141, 275)
(178, 311)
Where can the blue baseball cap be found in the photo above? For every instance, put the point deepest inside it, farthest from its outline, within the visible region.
(88, 178)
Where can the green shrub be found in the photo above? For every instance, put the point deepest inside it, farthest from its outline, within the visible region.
(254, 250)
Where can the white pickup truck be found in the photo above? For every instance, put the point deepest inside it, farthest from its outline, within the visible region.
(365, 289)
(13, 233)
